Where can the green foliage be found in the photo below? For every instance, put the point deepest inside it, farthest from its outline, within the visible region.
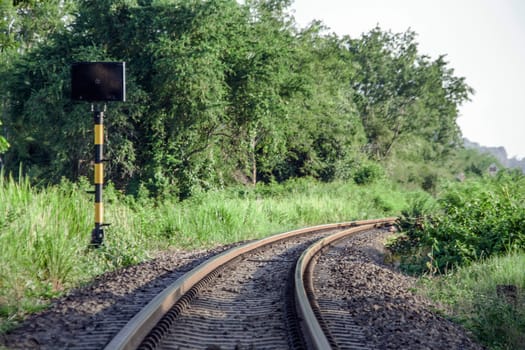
(473, 220)
(25, 24)
(218, 93)
(4, 145)
(402, 95)
(368, 173)
(473, 163)
(324, 132)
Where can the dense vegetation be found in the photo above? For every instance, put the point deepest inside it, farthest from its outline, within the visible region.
(44, 234)
(468, 222)
(473, 234)
(221, 93)
(239, 124)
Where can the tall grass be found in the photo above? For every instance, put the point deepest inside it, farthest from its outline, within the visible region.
(38, 243)
(471, 296)
(45, 233)
(237, 214)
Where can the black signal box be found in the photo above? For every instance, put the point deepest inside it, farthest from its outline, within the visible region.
(98, 81)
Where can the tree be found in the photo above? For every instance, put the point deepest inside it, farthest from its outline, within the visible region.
(190, 94)
(218, 91)
(324, 133)
(257, 80)
(24, 25)
(401, 94)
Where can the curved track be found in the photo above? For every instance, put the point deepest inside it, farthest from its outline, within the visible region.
(316, 332)
(249, 303)
(243, 304)
(327, 323)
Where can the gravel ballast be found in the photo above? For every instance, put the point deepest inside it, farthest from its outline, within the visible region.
(380, 300)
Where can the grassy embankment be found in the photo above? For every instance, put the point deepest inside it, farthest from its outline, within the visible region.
(469, 246)
(45, 233)
(470, 296)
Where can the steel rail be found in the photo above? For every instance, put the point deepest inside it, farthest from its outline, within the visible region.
(310, 326)
(134, 332)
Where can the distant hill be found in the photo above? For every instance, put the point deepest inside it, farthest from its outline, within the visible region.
(499, 152)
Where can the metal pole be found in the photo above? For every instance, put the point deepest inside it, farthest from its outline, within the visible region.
(97, 235)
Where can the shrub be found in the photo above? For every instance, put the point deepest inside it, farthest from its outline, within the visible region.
(472, 220)
(368, 173)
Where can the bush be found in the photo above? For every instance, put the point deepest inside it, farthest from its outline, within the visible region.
(368, 173)
(472, 220)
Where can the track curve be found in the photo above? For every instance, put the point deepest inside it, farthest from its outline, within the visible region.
(132, 335)
(315, 331)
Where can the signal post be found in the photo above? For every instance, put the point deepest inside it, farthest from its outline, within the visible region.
(97, 235)
(98, 82)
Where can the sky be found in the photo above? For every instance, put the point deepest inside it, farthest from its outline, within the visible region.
(484, 41)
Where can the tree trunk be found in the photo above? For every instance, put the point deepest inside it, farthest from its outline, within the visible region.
(254, 160)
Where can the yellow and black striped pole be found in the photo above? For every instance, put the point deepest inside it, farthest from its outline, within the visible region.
(97, 235)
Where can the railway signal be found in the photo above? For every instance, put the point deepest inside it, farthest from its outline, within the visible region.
(98, 82)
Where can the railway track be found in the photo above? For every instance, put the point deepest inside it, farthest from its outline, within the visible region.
(240, 299)
(318, 332)
(184, 300)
